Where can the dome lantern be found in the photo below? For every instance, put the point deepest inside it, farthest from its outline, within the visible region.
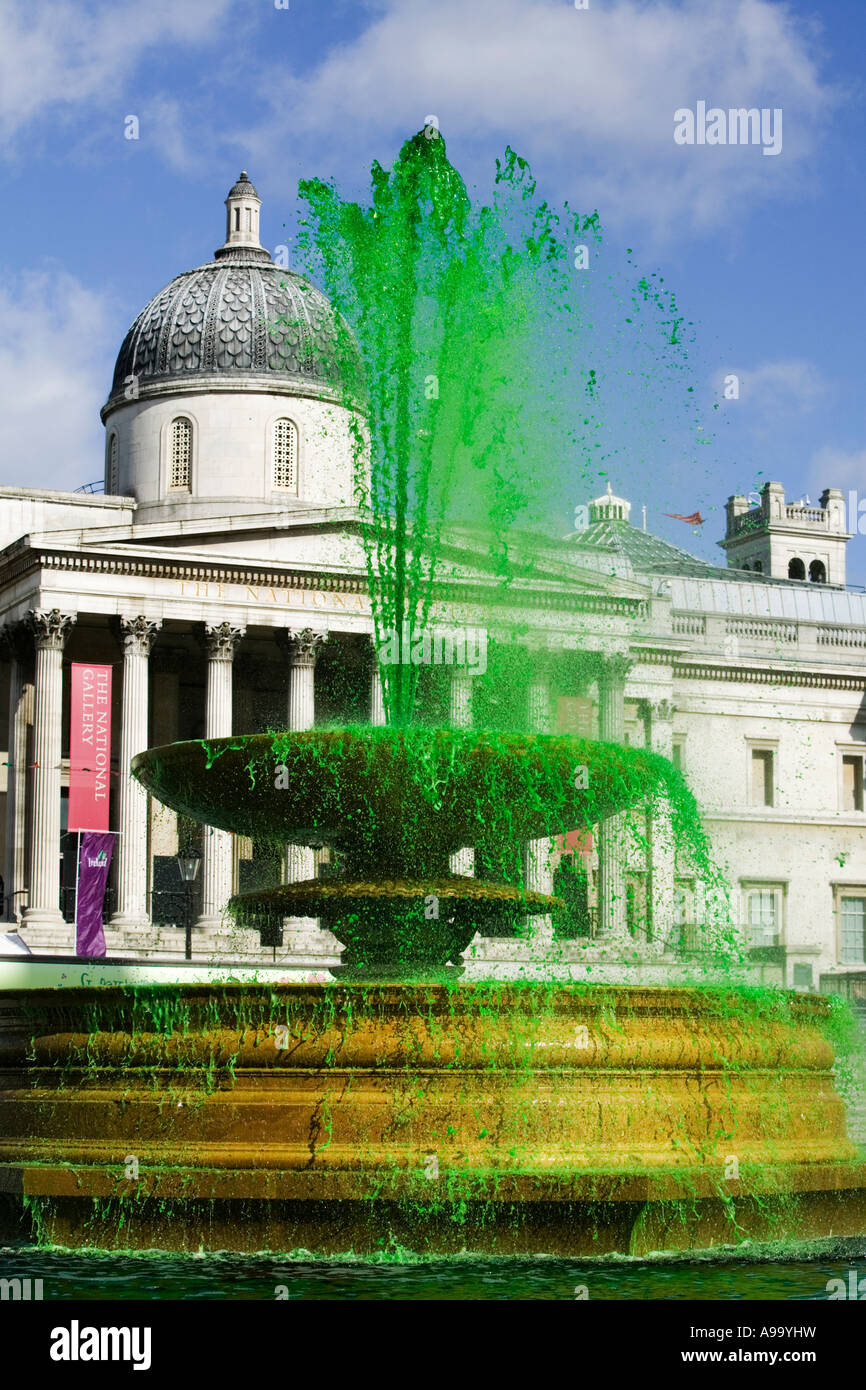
(609, 508)
(242, 217)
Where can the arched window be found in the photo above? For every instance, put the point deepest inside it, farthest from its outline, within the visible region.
(796, 569)
(758, 567)
(285, 469)
(747, 566)
(180, 462)
(817, 572)
(112, 479)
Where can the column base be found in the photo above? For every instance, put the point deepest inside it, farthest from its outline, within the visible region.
(540, 932)
(304, 937)
(463, 862)
(122, 921)
(43, 917)
(211, 922)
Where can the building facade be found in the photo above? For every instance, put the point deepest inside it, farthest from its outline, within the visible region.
(221, 573)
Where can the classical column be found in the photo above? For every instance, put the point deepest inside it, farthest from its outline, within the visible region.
(611, 831)
(658, 716)
(303, 647)
(221, 642)
(460, 714)
(537, 856)
(377, 699)
(138, 635)
(50, 631)
(18, 644)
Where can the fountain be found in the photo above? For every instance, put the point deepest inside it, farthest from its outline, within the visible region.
(401, 1105)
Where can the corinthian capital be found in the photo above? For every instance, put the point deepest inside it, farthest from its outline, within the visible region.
(221, 639)
(50, 628)
(662, 711)
(138, 634)
(614, 670)
(303, 645)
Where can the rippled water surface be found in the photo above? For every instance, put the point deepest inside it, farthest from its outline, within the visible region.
(98, 1276)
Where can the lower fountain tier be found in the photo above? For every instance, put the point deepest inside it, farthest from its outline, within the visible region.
(332, 1117)
(395, 926)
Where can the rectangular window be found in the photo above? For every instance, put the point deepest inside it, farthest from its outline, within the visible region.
(636, 904)
(853, 931)
(852, 783)
(763, 905)
(686, 932)
(762, 777)
(684, 902)
(574, 715)
(285, 455)
(181, 454)
(678, 755)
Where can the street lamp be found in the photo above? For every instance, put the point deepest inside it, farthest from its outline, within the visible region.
(188, 861)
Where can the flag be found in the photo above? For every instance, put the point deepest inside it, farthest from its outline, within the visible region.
(93, 865)
(89, 747)
(694, 520)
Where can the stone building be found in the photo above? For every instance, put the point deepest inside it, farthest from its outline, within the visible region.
(221, 572)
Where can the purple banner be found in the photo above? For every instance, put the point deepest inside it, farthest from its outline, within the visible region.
(93, 865)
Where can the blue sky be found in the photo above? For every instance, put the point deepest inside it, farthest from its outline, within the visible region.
(765, 254)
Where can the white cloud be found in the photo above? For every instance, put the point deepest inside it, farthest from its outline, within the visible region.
(54, 374)
(59, 56)
(842, 468)
(588, 94)
(771, 392)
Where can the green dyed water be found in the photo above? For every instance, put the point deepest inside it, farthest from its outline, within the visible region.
(485, 350)
(95, 1276)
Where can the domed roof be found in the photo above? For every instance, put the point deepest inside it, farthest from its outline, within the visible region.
(237, 319)
(609, 507)
(243, 188)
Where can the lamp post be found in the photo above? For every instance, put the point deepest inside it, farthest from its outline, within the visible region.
(188, 861)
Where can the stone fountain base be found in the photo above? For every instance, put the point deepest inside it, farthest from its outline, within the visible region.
(492, 1118)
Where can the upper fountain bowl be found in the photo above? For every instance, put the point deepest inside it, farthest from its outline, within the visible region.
(394, 800)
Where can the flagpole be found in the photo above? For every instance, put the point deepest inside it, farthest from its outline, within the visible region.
(77, 872)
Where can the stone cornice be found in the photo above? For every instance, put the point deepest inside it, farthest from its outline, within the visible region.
(483, 591)
(765, 675)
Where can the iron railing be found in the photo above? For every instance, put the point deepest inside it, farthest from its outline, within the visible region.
(168, 907)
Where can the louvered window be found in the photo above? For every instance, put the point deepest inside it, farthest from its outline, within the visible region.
(112, 465)
(181, 454)
(285, 456)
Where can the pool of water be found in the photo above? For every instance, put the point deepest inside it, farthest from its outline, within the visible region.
(765, 1275)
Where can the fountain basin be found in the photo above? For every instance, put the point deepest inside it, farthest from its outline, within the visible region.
(394, 805)
(398, 802)
(508, 1118)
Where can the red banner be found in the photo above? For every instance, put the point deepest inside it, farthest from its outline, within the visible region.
(90, 747)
